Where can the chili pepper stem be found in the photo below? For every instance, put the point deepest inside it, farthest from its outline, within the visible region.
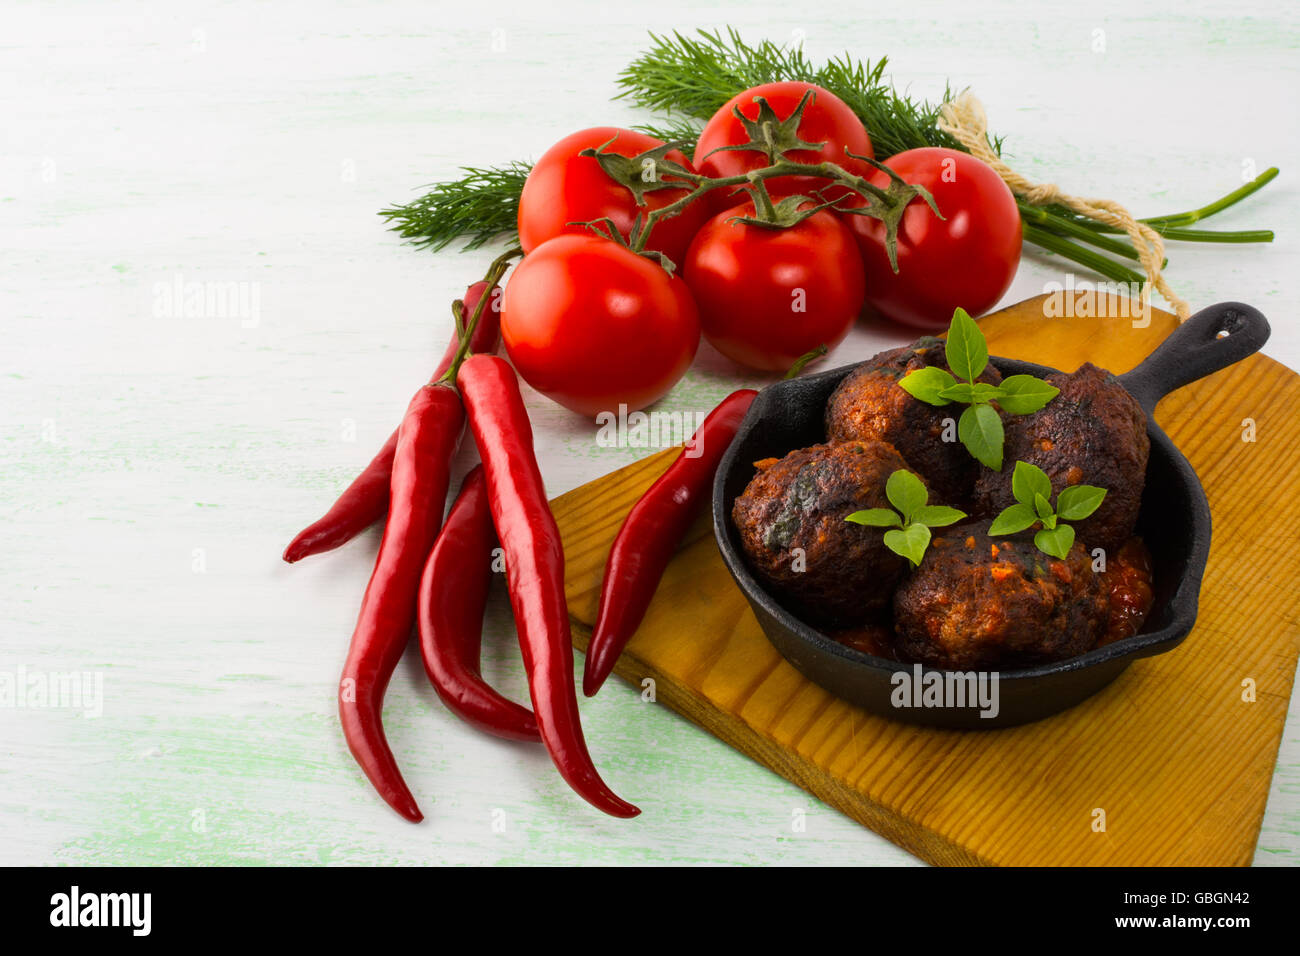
(492, 278)
(804, 360)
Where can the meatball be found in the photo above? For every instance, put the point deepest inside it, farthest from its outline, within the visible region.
(1093, 433)
(978, 602)
(869, 404)
(828, 571)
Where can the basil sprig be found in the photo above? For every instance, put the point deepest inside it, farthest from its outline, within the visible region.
(980, 426)
(909, 533)
(1032, 490)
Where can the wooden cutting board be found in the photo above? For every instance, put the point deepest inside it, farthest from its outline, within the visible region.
(1176, 753)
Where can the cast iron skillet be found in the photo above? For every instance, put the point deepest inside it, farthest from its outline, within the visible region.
(1174, 521)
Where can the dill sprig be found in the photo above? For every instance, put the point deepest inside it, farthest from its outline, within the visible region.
(694, 76)
(479, 207)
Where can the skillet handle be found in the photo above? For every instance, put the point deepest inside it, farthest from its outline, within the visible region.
(1211, 340)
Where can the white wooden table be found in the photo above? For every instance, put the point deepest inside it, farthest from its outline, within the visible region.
(157, 459)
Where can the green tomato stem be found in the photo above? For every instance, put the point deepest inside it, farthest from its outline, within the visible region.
(755, 178)
(763, 201)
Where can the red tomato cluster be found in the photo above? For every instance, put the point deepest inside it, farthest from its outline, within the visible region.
(826, 120)
(593, 325)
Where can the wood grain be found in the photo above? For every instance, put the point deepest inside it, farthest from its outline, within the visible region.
(1178, 761)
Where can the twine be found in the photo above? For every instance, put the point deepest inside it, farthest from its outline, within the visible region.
(964, 119)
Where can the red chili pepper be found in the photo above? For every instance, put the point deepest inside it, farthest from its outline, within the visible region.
(453, 595)
(534, 569)
(426, 442)
(365, 501)
(651, 533)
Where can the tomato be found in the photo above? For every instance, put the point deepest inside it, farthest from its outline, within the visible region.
(966, 259)
(565, 188)
(592, 325)
(768, 296)
(827, 120)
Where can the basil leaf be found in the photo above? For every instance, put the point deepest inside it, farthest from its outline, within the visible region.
(1012, 520)
(911, 542)
(1029, 481)
(1078, 501)
(980, 430)
(876, 518)
(966, 350)
(1024, 394)
(937, 516)
(906, 492)
(971, 393)
(984, 392)
(1042, 506)
(1055, 541)
(961, 392)
(926, 384)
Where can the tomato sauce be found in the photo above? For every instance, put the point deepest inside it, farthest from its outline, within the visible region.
(1127, 579)
(874, 639)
